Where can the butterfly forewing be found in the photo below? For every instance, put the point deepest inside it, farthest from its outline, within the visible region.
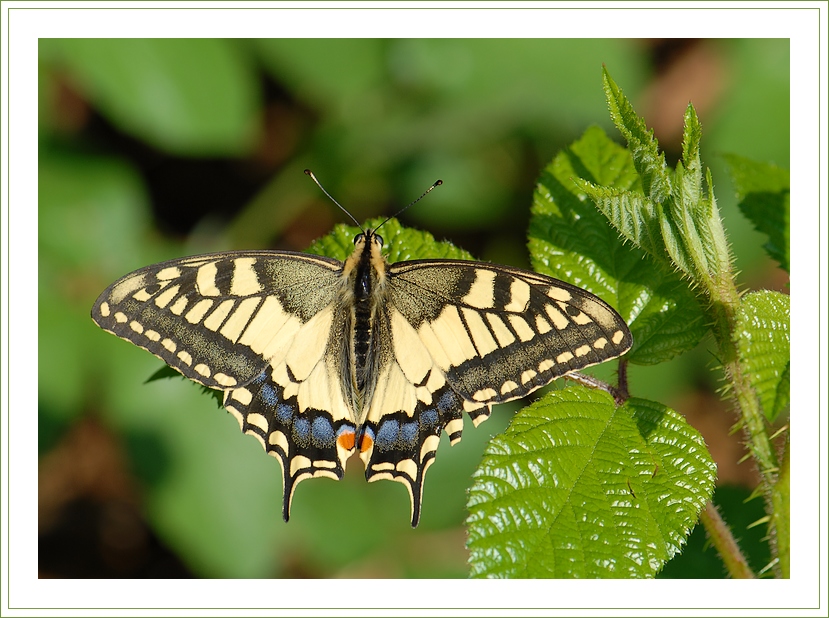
(319, 358)
(499, 333)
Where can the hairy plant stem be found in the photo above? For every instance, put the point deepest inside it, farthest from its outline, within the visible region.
(780, 515)
(725, 302)
(721, 538)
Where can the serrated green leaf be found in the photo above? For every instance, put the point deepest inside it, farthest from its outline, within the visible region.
(671, 320)
(696, 214)
(700, 560)
(691, 137)
(166, 372)
(399, 243)
(618, 196)
(579, 488)
(763, 191)
(571, 240)
(648, 160)
(672, 236)
(762, 336)
(671, 215)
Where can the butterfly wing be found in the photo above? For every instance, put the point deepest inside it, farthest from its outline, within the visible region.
(262, 327)
(464, 336)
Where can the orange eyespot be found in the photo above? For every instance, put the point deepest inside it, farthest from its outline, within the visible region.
(346, 440)
(366, 442)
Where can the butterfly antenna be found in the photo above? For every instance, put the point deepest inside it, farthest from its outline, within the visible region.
(437, 183)
(314, 178)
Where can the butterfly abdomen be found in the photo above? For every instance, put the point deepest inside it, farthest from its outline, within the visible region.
(361, 332)
(365, 273)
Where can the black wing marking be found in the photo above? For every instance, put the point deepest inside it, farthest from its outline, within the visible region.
(212, 317)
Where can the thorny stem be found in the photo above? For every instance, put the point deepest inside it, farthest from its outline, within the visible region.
(780, 515)
(722, 539)
(725, 302)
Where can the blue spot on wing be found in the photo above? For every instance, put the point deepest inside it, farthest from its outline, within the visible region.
(322, 432)
(408, 434)
(260, 379)
(448, 402)
(268, 395)
(429, 418)
(284, 413)
(301, 431)
(387, 434)
(366, 431)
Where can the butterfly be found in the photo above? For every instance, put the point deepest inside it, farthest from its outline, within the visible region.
(319, 358)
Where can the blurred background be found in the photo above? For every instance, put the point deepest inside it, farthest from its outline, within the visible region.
(154, 149)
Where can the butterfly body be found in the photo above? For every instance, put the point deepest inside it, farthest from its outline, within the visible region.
(319, 358)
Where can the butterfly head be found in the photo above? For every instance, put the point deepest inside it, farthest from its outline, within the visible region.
(368, 246)
(370, 237)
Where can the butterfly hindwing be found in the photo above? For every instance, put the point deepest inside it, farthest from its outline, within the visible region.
(409, 408)
(307, 443)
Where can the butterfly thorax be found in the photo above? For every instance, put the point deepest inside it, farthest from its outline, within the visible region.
(364, 273)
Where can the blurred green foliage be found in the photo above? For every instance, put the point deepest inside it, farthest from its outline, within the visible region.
(141, 142)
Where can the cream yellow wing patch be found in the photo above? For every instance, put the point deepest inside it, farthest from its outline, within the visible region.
(410, 406)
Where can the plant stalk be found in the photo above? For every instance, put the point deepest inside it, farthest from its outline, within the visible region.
(780, 515)
(722, 539)
(725, 301)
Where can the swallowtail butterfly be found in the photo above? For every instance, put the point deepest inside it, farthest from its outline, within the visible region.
(318, 358)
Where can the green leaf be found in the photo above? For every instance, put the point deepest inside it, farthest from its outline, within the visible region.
(763, 191)
(579, 488)
(165, 372)
(570, 239)
(671, 320)
(762, 337)
(399, 243)
(670, 215)
(195, 97)
(696, 214)
(648, 161)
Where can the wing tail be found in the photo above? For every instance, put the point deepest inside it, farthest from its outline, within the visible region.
(308, 443)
